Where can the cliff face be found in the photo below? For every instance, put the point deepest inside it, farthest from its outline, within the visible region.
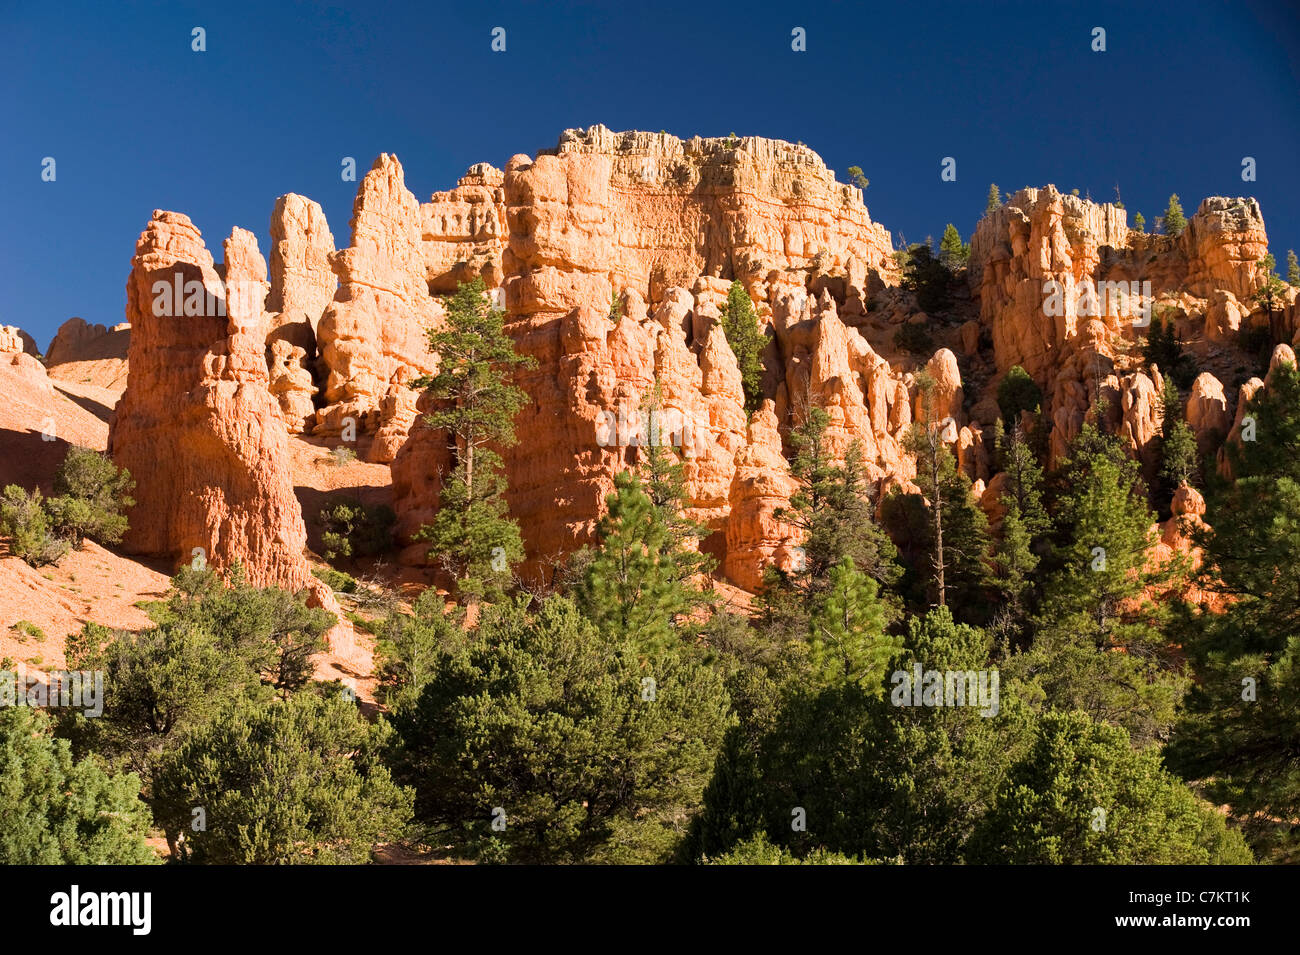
(661, 226)
(197, 426)
(1067, 291)
(612, 254)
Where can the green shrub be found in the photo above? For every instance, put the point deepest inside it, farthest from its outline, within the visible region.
(24, 521)
(28, 629)
(337, 581)
(1018, 392)
(758, 850)
(91, 497)
(350, 529)
(297, 782)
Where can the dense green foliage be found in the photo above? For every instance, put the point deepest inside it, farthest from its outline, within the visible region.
(575, 742)
(1083, 795)
(1018, 392)
(1242, 723)
(91, 497)
(57, 810)
(300, 782)
(745, 336)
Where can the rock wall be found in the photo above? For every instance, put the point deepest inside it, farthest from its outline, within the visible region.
(197, 426)
(463, 231)
(661, 226)
(375, 331)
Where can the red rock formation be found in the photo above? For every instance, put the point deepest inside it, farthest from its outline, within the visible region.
(302, 282)
(1041, 243)
(197, 426)
(1207, 413)
(663, 224)
(761, 485)
(463, 231)
(14, 339)
(376, 329)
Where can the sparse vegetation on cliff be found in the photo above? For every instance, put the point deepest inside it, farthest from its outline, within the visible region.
(1174, 221)
(745, 336)
(474, 406)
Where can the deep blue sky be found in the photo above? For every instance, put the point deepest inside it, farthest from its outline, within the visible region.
(137, 121)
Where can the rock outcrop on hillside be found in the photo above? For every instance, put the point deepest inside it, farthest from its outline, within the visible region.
(662, 225)
(197, 426)
(612, 255)
(1061, 287)
(375, 331)
(463, 231)
(14, 339)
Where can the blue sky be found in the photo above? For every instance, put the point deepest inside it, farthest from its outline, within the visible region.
(136, 120)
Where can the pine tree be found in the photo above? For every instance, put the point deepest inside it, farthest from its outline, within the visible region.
(958, 540)
(1099, 645)
(857, 178)
(1292, 268)
(636, 585)
(1178, 441)
(474, 406)
(663, 477)
(1024, 525)
(833, 512)
(847, 632)
(952, 251)
(928, 277)
(745, 336)
(994, 201)
(1272, 289)
(1140, 222)
(1018, 392)
(1175, 221)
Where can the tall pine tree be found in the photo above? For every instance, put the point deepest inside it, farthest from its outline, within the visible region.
(474, 405)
